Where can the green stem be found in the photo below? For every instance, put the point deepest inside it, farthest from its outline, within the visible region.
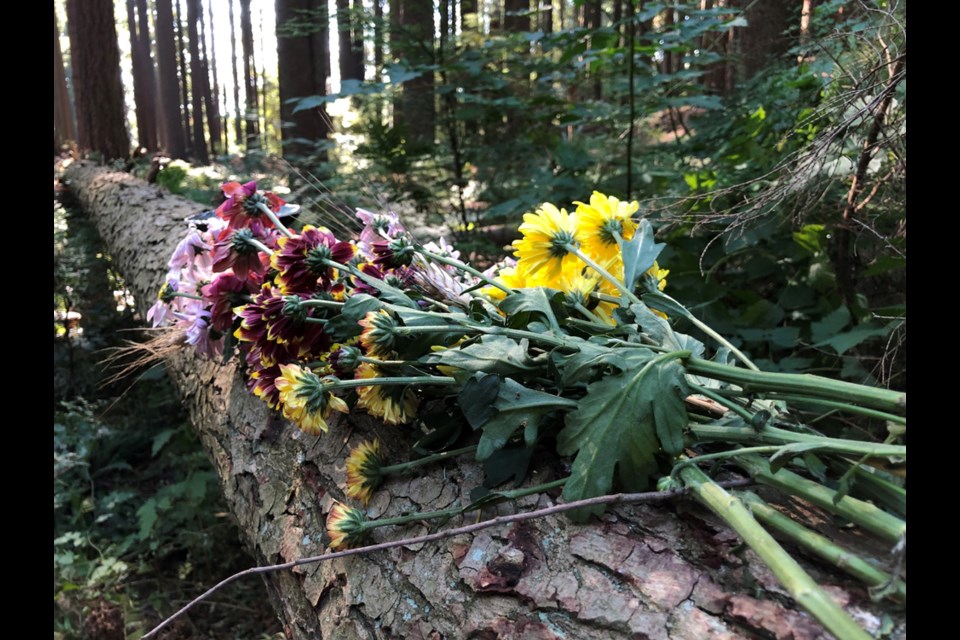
(719, 399)
(798, 582)
(683, 464)
(619, 286)
(322, 304)
(807, 384)
(868, 516)
(186, 295)
(775, 436)
(590, 315)
(253, 242)
(819, 545)
(465, 267)
(405, 380)
(436, 457)
(841, 406)
(274, 219)
(873, 486)
(707, 329)
(466, 326)
(388, 363)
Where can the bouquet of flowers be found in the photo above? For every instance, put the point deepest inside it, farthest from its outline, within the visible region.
(571, 343)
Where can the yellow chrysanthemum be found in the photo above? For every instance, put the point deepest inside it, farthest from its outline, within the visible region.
(363, 470)
(304, 399)
(659, 274)
(579, 283)
(601, 221)
(377, 336)
(390, 404)
(546, 235)
(345, 526)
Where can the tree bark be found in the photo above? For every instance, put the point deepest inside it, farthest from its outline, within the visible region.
(95, 61)
(350, 40)
(211, 95)
(142, 77)
(302, 60)
(661, 572)
(251, 117)
(63, 129)
(197, 84)
(234, 60)
(413, 43)
(169, 86)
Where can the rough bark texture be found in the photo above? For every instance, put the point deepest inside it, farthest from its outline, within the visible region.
(98, 93)
(302, 62)
(654, 572)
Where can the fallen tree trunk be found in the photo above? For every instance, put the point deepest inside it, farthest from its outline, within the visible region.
(642, 571)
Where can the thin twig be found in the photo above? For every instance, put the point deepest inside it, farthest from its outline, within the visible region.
(624, 498)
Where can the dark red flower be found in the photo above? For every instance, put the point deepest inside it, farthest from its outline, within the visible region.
(232, 250)
(226, 292)
(300, 260)
(242, 204)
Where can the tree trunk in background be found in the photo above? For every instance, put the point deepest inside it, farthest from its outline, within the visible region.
(764, 41)
(545, 17)
(63, 129)
(169, 87)
(414, 46)
(234, 62)
(197, 75)
(512, 22)
(211, 96)
(95, 61)
(251, 117)
(184, 86)
(668, 571)
(350, 39)
(593, 19)
(302, 66)
(142, 79)
(378, 39)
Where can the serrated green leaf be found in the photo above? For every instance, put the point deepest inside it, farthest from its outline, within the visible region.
(493, 354)
(639, 253)
(665, 304)
(616, 424)
(517, 408)
(669, 409)
(506, 464)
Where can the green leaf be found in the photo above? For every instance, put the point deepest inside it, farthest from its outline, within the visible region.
(661, 331)
(783, 456)
(639, 253)
(535, 301)
(493, 354)
(476, 398)
(811, 238)
(843, 342)
(148, 516)
(517, 408)
(618, 423)
(583, 365)
(345, 325)
(399, 73)
(664, 303)
(310, 102)
(831, 324)
(668, 405)
(160, 440)
(504, 465)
